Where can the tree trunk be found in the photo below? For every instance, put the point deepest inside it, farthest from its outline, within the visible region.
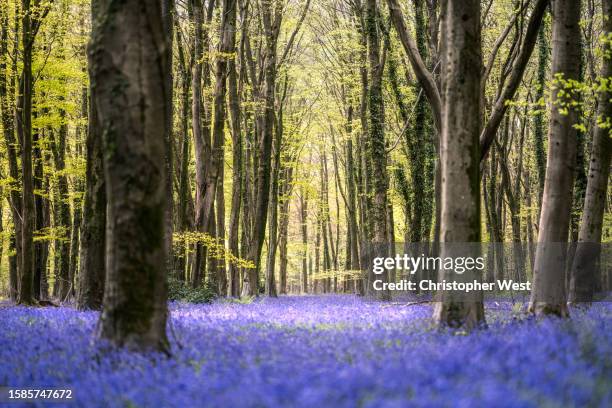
(283, 229)
(548, 295)
(271, 29)
(24, 129)
(7, 91)
(460, 153)
(304, 228)
(63, 281)
(129, 91)
(201, 132)
(584, 268)
(92, 270)
(538, 120)
(167, 11)
(376, 135)
(184, 193)
(214, 184)
(41, 205)
(237, 173)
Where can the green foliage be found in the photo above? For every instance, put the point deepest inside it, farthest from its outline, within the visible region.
(182, 292)
(186, 240)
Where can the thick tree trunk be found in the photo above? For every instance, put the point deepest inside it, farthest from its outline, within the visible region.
(584, 268)
(129, 90)
(460, 152)
(548, 295)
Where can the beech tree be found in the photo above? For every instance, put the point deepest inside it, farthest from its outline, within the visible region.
(460, 149)
(129, 88)
(548, 295)
(583, 273)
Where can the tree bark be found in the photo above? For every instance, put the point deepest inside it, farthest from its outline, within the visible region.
(167, 10)
(63, 281)
(41, 205)
(460, 152)
(584, 268)
(538, 120)
(201, 131)
(24, 129)
(304, 230)
(90, 291)
(237, 173)
(548, 295)
(7, 91)
(129, 96)
(271, 24)
(376, 134)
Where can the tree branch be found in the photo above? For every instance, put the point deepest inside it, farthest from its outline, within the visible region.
(488, 133)
(423, 75)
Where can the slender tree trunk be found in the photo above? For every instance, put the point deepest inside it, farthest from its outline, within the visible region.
(538, 120)
(460, 152)
(167, 11)
(283, 230)
(376, 135)
(304, 228)
(125, 75)
(214, 183)
(92, 270)
(41, 205)
(24, 130)
(237, 173)
(251, 278)
(201, 132)
(184, 194)
(548, 295)
(63, 281)
(7, 84)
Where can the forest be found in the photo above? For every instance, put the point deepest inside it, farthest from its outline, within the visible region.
(198, 199)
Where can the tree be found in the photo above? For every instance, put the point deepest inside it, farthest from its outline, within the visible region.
(215, 183)
(548, 294)
(460, 151)
(7, 91)
(90, 291)
(129, 88)
(33, 15)
(583, 277)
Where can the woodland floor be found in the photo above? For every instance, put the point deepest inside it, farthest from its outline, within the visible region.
(317, 351)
